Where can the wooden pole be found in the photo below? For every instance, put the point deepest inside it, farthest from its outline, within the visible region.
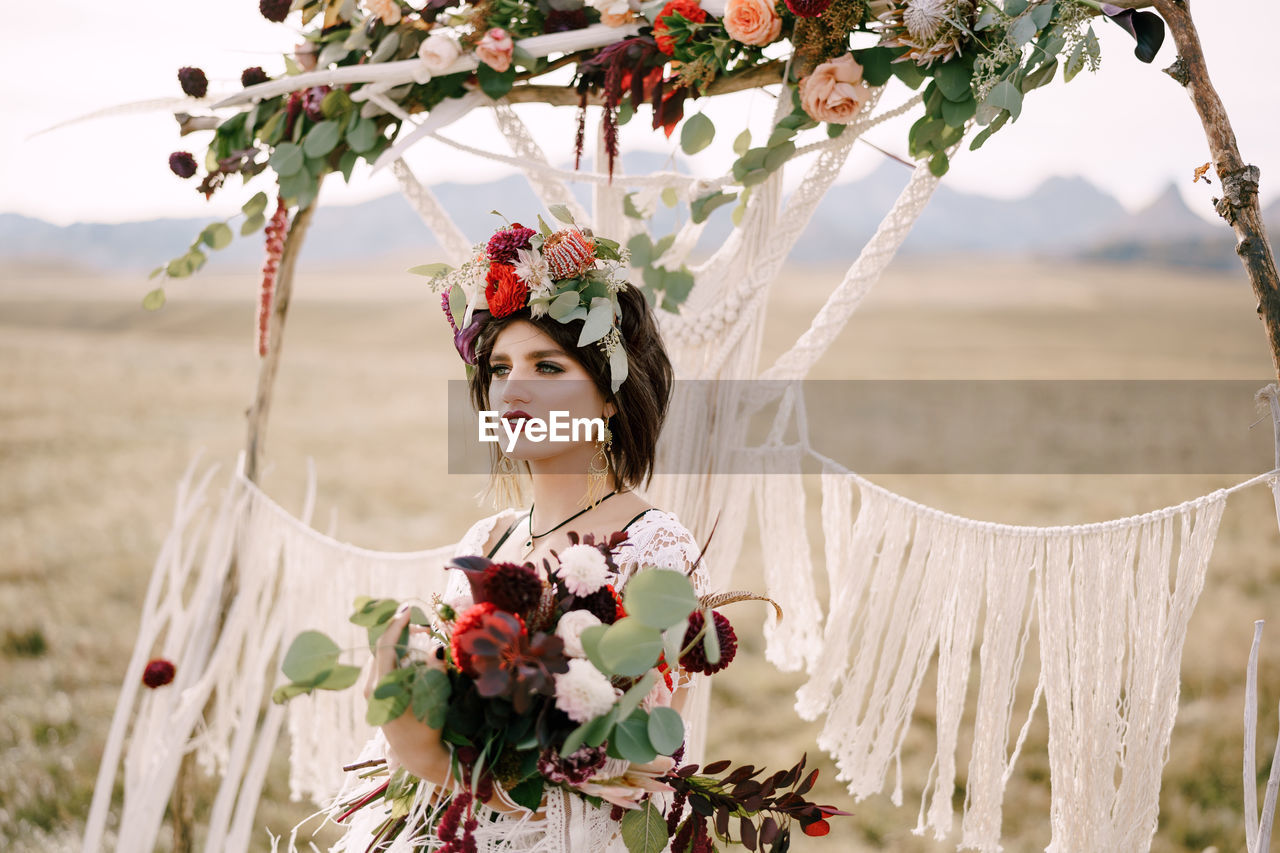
(1239, 203)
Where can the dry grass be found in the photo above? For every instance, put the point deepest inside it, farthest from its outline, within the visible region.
(105, 406)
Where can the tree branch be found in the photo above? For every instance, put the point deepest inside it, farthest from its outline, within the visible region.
(1239, 203)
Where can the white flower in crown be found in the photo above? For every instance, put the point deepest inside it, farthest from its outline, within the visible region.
(584, 692)
(570, 628)
(583, 569)
(532, 269)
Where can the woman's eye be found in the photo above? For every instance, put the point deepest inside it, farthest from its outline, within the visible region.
(548, 367)
(499, 370)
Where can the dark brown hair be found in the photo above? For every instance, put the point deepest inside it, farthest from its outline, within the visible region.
(641, 401)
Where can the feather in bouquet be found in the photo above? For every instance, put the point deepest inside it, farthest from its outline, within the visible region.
(542, 678)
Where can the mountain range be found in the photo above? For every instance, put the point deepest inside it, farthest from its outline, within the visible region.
(1063, 217)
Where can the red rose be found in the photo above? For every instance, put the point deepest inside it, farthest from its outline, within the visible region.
(504, 290)
(688, 8)
(158, 673)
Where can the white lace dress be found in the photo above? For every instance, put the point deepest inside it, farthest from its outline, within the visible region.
(570, 824)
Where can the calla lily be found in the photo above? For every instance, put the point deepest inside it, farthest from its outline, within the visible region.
(1147, 29)
(465, 338)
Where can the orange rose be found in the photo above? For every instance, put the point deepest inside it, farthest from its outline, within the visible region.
(835, 92)
(751, 21)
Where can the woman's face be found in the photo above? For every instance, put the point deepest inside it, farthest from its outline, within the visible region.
(532, 378)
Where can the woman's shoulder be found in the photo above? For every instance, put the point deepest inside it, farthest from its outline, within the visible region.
(481, 537)
(656, 537)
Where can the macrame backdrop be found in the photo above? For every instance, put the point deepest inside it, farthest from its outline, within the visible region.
(907, 583)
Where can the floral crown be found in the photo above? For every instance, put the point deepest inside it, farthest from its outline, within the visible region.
(567, 274)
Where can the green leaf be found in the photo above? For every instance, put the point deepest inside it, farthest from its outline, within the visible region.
(336, 104)
(310, 655)
(347, 163)
(697, 133)
(495, 84)
(322, 138)
(599, 321)
(154, 300)
(431, 691)
(178, 268)
(618, 368)
(1015, 7)
(666, 730)
(216, 235)
(340, 677)
(660, 248)
(834, 130)
(710, 639)
(629, 207)
(1042, 14)
(433, 270)
(287, 159)
(953, 80)
(659, 598)
(701, 208)
(938, 165)
(909, 73)
(285, 692)
(990, 129)
(300, 187)
(561, 212)
(742, 143)
(331, 53)
(528, 794)
(373, 611)
(255, 205)
(1022, 31)
(635, 694)
(877, 65)
(273, 129)
(644, 830)
(641, 248)
(252, 224)
(563, 305)
(778, 155)
(391, 705)
(1004, 95)
(955, 114)
(388, 46)
(629, 647)
(670, 197)
(631, 739)
(1039, 77)
(362, 135)
(988, 17)
(1074, 64)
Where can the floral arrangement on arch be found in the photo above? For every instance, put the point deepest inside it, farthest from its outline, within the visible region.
(972, 61)
(552, 679)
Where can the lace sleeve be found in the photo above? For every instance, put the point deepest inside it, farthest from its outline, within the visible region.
(659, 539)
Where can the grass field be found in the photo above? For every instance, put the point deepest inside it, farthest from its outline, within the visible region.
(105, 405)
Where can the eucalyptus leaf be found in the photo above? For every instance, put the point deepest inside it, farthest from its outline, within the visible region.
(252, 224)
(216, 235)
(1015, 7)
(178, 268)
(659, 598)
(742, 143)
(433, 270)
(563, 305)
(631, 739)
(336, 104)
(495, 84)
(287, 159)
(1075, 62)
(629, 208)
(599, 321)
(909, 73)
(660, 248)
(1006, 96)
(670, 197)
(273, 128)
(629, 647)
(644, 830)
(618, 368)
(362, 136)
(956, 114)
(701, 208)
(635, 694)
(387, 708)
(779, 155)
(562, 212)
(331, 53)
(310, 654)
(590, 639)
(990, 129)
(1039, 77)
(641, 248)
(666, 730)
(710, 638)
(877, 65)
(347, 164)
(255, 205)
(322, 138)
(431, 691)
(987, 17)
(834, 130)
(1022, 31)
(387, 47)
(952, 79)
(340, 677)
(1042, 14)
(154, 300)
(697, 133)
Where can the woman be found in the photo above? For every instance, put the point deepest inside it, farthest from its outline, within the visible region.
(526, 365)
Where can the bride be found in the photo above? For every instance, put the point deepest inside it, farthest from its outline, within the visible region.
(525, 365)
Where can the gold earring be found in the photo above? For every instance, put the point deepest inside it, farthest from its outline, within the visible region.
(598, 470)
(506, 482)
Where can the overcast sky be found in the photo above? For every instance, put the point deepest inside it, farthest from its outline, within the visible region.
(1129, 128)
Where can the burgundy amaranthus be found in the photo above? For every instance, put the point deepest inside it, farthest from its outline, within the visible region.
(449, 822)
(276, 230)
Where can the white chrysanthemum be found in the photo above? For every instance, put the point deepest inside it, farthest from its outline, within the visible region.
(422, 646)
(570, 628)
(583, 569)
(923, 18)
(584, 692)
(532, 269)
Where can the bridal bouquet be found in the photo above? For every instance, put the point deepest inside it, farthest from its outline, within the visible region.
(542, 678)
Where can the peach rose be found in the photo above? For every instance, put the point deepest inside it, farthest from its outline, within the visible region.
(494, 50)
(305, 55)
(834, 92)
(617, 19)
(438, 52)
(387, 10)
(751, 21)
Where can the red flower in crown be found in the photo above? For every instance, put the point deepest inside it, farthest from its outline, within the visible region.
(505, 292)
(687, 8)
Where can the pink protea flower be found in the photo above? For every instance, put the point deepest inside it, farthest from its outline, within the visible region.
(569, 253)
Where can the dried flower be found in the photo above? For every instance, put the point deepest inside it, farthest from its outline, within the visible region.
(633, 786)
(835, 91)
(505, 292)
(275, 10)
(182, 164)
(439, 51)
(253, 76)
(584, 692)
(193, 81)
(495, 49)
(158, 673)
(752, 21)
(695, 660)
(583, 569)
(573, 769)
(931, 30)
(808, 8)
(569, 253)
(275, 233)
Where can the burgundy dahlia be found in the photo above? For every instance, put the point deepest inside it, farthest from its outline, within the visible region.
(253, 76)
(808, 8)
(505, 242)
(193, 81)
(695, 660)
(601, 604)
(275, 10)
(158, 673)
(182, 164)
(512, 587)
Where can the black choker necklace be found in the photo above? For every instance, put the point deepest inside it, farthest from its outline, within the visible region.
(534, 536)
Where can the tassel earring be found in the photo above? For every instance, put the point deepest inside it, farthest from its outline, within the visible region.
(598, 471)
(506, 482)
